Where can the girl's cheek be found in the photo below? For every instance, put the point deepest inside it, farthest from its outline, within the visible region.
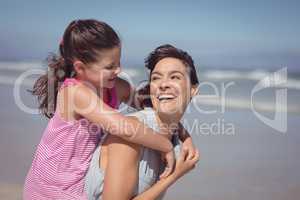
(109, 72)
(105, 74)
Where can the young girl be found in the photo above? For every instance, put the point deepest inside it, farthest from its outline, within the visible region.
(82, 89)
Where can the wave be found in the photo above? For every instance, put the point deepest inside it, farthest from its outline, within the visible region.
(239, 103)
(11, 80)
(231, 103)
(255, 75)
(213, 75)
(20, 66)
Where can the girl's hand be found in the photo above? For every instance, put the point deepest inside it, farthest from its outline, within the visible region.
(188, 144)
(183, 164)
(169, 158)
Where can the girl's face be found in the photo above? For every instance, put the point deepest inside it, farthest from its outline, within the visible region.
(170, 87)
(103, 73)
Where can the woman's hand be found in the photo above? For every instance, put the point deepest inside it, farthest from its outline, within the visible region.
(189, 151)
(183, 164)
(169, 158)
(188, 144)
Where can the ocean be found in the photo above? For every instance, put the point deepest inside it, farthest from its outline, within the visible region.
(245, 123)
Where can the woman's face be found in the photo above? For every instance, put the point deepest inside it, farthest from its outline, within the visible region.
(103, 73)
(170, 87)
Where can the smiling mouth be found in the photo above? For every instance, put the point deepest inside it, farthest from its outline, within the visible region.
(165, 97)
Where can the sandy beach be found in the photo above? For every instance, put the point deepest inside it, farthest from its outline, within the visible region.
(10, 191)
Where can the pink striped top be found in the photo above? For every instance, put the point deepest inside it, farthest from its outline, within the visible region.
(63, 157)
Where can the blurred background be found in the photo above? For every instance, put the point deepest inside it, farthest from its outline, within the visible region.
(245, 120)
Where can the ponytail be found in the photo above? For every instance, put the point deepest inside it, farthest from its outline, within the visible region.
(47, 86)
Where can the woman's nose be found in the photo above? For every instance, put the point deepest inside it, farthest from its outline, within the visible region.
(164, 85)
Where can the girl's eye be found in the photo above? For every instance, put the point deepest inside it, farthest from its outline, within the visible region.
(109, 67)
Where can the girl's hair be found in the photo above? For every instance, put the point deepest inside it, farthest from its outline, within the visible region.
(82, 40)
(161, 52)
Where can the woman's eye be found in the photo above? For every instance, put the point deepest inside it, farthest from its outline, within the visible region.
(154, 78)
(175, 77)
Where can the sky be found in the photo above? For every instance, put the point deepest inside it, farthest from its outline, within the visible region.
(218, 33)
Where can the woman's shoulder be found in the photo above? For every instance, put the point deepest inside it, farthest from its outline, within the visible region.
(143, 115)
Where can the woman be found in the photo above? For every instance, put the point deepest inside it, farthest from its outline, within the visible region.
(132, 171)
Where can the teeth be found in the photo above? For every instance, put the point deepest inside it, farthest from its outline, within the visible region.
(165, 97)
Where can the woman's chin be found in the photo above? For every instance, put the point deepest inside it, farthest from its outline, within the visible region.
(170, 112)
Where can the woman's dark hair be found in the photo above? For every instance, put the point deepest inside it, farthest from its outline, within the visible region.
(161, 52)
(82, 40)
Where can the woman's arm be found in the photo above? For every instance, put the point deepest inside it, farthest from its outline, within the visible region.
(183, 165)
(121, 174)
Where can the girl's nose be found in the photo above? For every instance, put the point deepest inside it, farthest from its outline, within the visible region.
(118, 70)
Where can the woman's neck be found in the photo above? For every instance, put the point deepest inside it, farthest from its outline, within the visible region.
(168, 124)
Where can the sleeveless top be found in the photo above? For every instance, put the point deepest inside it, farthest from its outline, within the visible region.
(150, 164)
(63, 156)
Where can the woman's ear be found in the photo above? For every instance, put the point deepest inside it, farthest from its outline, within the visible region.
(194, 90)
(78, 67)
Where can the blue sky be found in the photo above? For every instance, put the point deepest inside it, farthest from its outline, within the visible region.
(228, 33)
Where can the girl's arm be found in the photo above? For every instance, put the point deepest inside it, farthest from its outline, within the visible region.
(121, 175)
(90, 106)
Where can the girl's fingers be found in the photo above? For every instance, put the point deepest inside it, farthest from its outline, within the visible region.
(166, 172)
(168, 169)
(191, 153)
(194, 160)
(170, 162)
(196, 157)
(183, 154)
